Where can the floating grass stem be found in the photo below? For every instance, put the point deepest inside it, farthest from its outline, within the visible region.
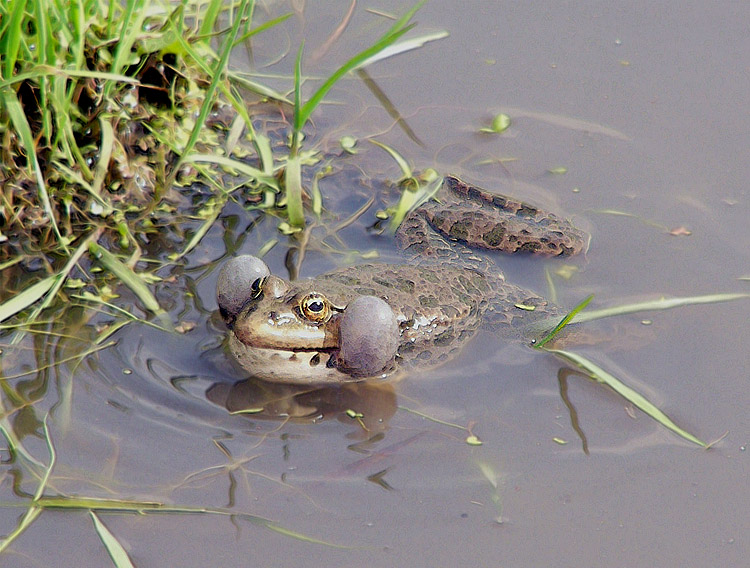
(634, 397)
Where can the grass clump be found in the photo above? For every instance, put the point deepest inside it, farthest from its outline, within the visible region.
(119, 126)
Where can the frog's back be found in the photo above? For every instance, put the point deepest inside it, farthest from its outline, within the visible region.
(438, 307)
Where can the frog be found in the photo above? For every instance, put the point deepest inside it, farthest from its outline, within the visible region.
(379, 320)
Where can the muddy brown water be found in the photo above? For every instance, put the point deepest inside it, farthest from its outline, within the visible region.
(646, 107)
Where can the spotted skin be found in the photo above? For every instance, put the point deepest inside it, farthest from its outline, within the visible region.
(440, 298)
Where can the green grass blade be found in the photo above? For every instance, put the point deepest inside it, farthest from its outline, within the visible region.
(411, 199)
(565, 321)
(21, 125)
(261, 177)
(12, 37)
(263, 27)
(655, 305)
(394, 33)
(406, 170)
(132, 281)
(404, 46)
(29, 296)
(217, 76)
(116, 551)
(299, 122)
(632, 396)
(208, 21)
(293, 184)
(31, 514)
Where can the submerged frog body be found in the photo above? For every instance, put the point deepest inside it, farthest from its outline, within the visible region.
(370, 320)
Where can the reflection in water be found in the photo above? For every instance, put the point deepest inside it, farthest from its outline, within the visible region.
(370, 404)
(562, 377)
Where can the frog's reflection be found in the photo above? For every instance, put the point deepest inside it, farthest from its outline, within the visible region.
(370, 404)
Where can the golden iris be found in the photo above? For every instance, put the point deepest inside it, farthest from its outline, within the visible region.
(315, 307)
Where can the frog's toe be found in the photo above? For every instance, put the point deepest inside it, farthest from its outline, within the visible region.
(235, 283)
(368, 337)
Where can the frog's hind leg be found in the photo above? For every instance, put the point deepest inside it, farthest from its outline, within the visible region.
(482, 219)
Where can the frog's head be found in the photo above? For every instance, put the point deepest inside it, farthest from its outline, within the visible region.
(295, 333)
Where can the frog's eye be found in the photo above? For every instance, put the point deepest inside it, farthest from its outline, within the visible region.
(256, 288)
(315, 307)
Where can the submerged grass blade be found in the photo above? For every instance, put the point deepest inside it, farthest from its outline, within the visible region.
(629, 394)
(116, 551)
(34, 510)
(152, 507)
(293, 184)
(132, 281)
(29, 296)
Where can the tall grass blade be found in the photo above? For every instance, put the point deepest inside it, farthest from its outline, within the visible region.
(632, 396)
(394, 33)
(217, 76)
(18, 118)
(293, 171)
(299, 122)
(116, 551)
(12, 33)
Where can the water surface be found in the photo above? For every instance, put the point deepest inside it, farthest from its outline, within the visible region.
(646, 108)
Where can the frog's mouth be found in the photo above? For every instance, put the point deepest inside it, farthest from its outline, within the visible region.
(300, 365)
(290, 338)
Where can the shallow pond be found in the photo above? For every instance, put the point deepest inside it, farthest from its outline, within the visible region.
(646, 109)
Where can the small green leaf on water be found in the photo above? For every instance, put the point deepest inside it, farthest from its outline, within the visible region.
(354, 414)
(348, 144)
(500, 123)
(473, 440)
(559, 441)
(383, 215)
(525, 307)
(558, 170)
